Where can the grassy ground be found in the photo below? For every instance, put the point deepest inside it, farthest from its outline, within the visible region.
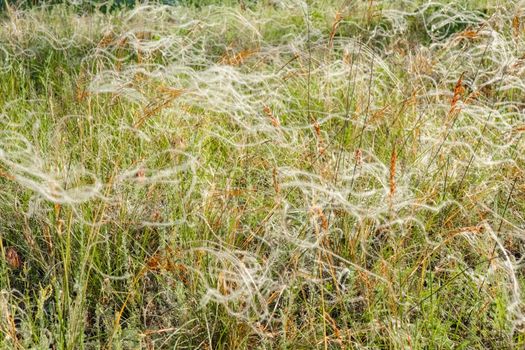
(267, 175)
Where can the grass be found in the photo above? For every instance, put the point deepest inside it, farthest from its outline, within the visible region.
(262, 175)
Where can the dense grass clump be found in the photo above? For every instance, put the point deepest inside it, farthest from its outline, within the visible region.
(274, 174)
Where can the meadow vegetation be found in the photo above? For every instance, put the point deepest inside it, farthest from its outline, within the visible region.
(263, 175)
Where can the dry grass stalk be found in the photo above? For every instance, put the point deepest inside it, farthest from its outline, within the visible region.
(320, 143)
(347, 59)
(153, 108)
(468, 34)
(392, 179)
(275, 122)
(516, 25)
(335, 329)
(337, 21)
(170, 91)
(106, 40)
(81, 92)
(468, 229)
(276, 186)
(320, 215)
(517, 129)
(6, 175)
(164, 262)
(12, 258)
(238, 58)
(378, 115)
(358, 156)
(317, 129)
(459, 90)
